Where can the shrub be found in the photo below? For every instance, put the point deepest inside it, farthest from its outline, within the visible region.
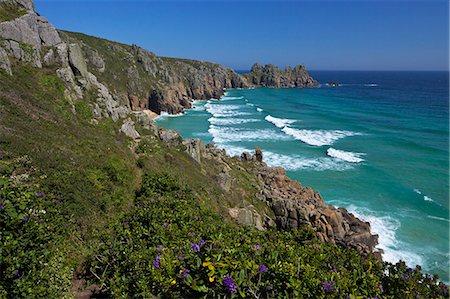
(167, 244)
(32, 230)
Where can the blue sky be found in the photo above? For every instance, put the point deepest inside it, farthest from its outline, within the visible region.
(323, 35)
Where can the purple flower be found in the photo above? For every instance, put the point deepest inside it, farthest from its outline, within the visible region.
(257, 247)
(262, 268)
(159, 248)
(185, 273)
(157, 261)
(166, 225)
(380, 287)
(125, 223)
(327, 286)
(25, 218)
(201, 242)
(16, 272)
(151, 199)
(2, 204)
(229, 285)
(195, 247)
(444, 289)
(39, 194)
(410, 270)
(56, 202)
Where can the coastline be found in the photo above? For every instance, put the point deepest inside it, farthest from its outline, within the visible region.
(336, 225)
(388, 227)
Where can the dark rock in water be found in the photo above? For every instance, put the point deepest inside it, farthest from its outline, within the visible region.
(333, 84)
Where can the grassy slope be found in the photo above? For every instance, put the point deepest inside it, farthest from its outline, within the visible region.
(92, 170)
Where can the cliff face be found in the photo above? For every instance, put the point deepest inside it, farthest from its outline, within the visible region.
(116, 79)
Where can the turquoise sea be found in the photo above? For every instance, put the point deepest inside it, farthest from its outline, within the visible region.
(377, 145)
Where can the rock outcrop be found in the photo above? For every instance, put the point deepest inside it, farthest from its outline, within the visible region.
(293, 205)
(271, 76)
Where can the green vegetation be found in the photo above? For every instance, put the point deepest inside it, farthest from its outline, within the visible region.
(10, 11)
(80, 201)
(32, 260)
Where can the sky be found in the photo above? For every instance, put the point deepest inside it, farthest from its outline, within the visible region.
(322, 35)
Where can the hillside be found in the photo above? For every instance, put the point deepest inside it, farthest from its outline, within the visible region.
(96, 201)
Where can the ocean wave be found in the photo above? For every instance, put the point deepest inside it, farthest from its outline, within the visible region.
(318, 137)
(165, 114)
(427, 198)
(224, 110)
(294, 162)
(345, 156)
(227, 134)
(259, 109)
(250, 104)
(371, 84)
(227, 98)
(231, 121)
(290, 162)
(438, 218)
(386, 227)
(279, 122)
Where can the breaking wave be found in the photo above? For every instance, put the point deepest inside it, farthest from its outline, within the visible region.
(386, 227)
(231, 121)
(279, 122)
(345, 156)
(318, 137)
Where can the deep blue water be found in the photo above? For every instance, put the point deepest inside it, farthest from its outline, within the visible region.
(377, 145)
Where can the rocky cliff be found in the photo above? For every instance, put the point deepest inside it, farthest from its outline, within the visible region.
(272, 76)
(116, 80)
(293, 206)
(130, 77)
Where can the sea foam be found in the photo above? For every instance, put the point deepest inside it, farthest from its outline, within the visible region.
(318, 137)
(290, 162)
(230, 121)
(227, 134)
(165, 114)
(279, 122)
(386, 227)
(224, 110)
(345, 156)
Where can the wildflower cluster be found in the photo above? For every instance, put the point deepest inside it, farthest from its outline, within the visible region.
(194, 260)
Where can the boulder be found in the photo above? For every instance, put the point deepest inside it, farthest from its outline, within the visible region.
(47, 32)
(170, 137)
(248, 216)
(146, 122)
(128, 129)
(246, 156)
(258, 154)
(76, 60)
(19, 30)
(195, 148)
(95, 59)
